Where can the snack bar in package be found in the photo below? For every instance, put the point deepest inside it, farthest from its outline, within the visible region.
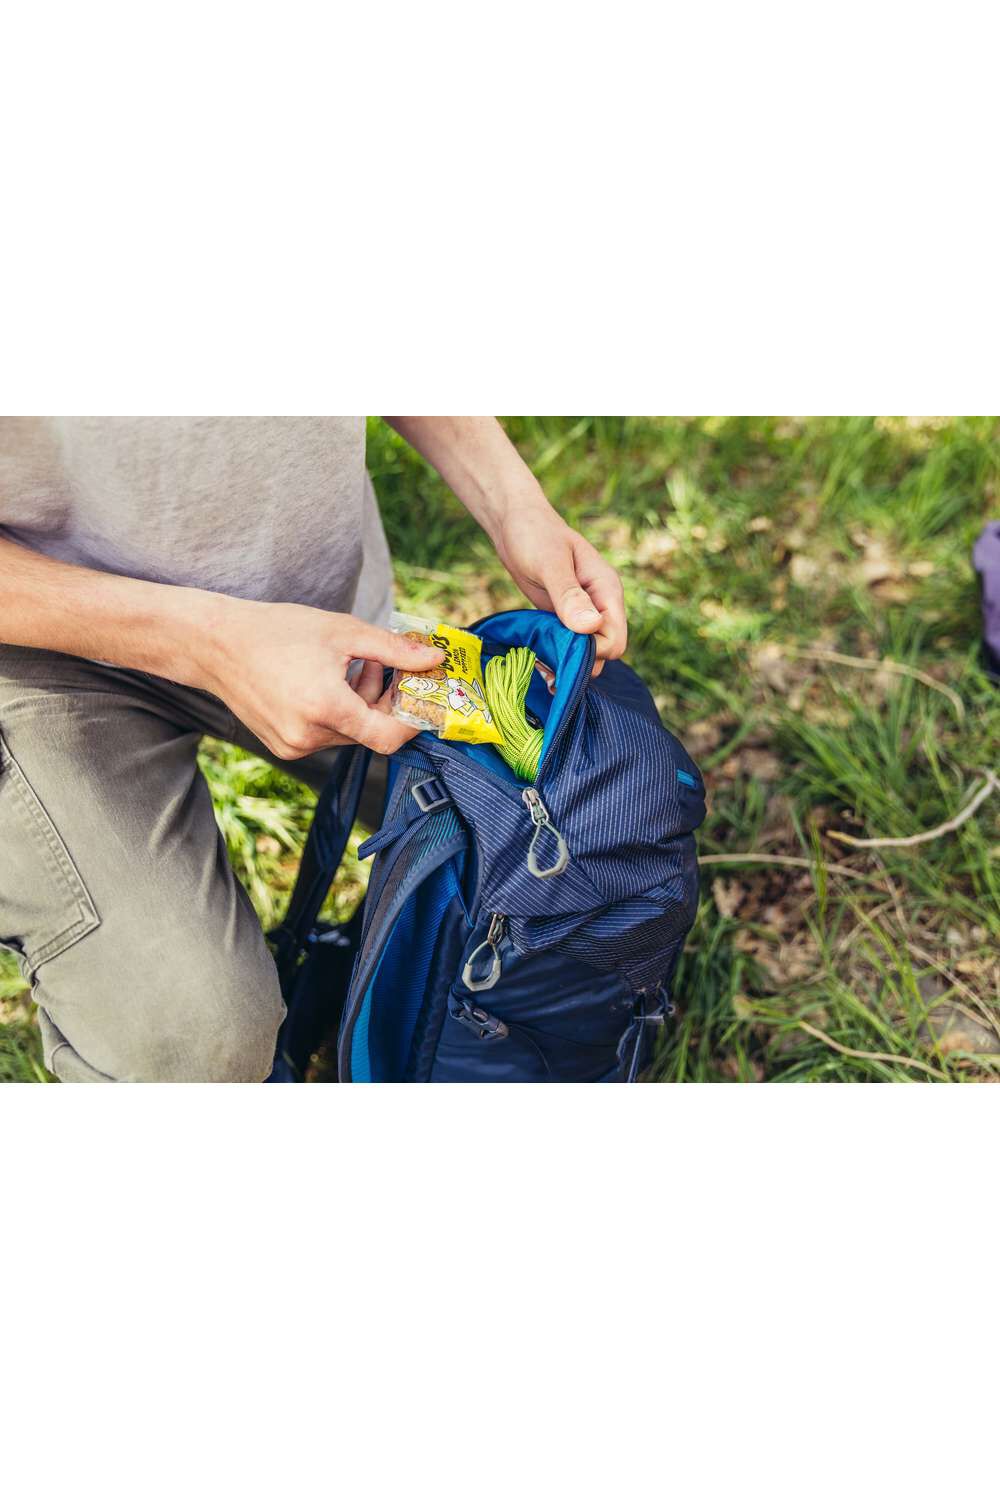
(449, 700)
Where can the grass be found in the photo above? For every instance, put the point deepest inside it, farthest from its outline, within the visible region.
(751, 549)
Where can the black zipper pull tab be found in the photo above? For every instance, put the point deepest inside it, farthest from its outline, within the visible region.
(540, 817)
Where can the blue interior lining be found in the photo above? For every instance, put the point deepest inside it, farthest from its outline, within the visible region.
(558, 647)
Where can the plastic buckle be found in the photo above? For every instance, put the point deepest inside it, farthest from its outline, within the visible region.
(486, 1027)
(429, 795)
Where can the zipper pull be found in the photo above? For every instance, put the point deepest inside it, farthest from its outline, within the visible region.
(486, 1027)
(498, 924)
(540, 817)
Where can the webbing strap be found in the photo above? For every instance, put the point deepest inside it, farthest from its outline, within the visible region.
(329, 831)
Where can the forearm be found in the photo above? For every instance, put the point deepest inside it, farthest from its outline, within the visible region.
(150, 627)
(477, 460)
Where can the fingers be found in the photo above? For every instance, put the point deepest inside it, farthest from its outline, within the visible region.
(369, 683)
(368, 722)
(571, 602)
(604, 588)
(392, 650)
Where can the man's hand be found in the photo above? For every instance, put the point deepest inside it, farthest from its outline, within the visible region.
(282, 669)
(554, 565)
(558, 569)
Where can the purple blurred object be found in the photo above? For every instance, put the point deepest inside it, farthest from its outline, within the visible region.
(986, 561)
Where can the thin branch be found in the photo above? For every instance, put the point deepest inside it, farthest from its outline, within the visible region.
(882, 664)
(785, 859)
(886, 1057)
(990, 786)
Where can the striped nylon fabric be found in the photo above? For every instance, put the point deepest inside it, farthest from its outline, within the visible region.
(612, 788)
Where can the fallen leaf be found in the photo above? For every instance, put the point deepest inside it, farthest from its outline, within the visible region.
(703, 736)
(762, 765)
(804, 570)
(655, 547)
(770, 663)
(760, 523)
(731, 1068)
(893, 591)
(728, 895)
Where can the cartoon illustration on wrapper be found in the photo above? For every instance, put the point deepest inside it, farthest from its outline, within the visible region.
(460, 696)
(449, 700)
(468, 698)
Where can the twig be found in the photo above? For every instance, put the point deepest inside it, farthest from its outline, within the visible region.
(882, 664)
(991, 785)
(785, 859)
(893, 892)
(886, 1057)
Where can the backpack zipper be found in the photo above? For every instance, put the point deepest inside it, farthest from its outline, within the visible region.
(540, 817)
(493, 939)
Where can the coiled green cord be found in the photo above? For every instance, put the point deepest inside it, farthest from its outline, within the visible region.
(507, 681)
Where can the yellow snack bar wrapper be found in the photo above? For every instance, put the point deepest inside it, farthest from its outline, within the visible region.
(449, 700)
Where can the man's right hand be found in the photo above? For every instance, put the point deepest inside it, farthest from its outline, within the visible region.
(282, 669)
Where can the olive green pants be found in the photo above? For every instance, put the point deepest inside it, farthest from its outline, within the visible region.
(145, 956)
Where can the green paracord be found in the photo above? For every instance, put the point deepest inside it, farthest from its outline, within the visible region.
(507, 681)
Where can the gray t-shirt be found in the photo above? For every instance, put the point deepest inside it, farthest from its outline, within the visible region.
(279, 509)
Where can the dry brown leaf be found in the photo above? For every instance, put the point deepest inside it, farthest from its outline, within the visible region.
(655, 548)
(728, 896)
(893, 591)
(704, 735)
(771, 664)
(804, 570)
(762, 765)
(730, 1068)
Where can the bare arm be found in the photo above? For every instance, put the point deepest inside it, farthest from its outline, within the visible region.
(552, 564)
(281, 668)
(148, 626)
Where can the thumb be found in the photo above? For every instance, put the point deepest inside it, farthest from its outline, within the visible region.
(571, 603)
(392, 650)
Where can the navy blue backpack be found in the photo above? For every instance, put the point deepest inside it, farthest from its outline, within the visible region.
(511, 933)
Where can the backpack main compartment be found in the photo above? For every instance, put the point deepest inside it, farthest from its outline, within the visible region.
(478, 964)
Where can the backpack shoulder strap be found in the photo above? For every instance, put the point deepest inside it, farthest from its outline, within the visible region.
(329, 831)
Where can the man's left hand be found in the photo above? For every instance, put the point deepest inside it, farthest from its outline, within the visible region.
(558, 569)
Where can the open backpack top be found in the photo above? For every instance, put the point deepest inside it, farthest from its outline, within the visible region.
(511, 932)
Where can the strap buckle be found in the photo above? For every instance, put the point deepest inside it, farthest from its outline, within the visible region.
(429, 795)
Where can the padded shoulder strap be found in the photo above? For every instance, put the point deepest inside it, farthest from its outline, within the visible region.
(329, 831)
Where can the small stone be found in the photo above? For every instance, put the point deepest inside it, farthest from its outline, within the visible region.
(954, 1031)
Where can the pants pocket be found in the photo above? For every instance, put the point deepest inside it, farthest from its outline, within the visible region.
(44, 905)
